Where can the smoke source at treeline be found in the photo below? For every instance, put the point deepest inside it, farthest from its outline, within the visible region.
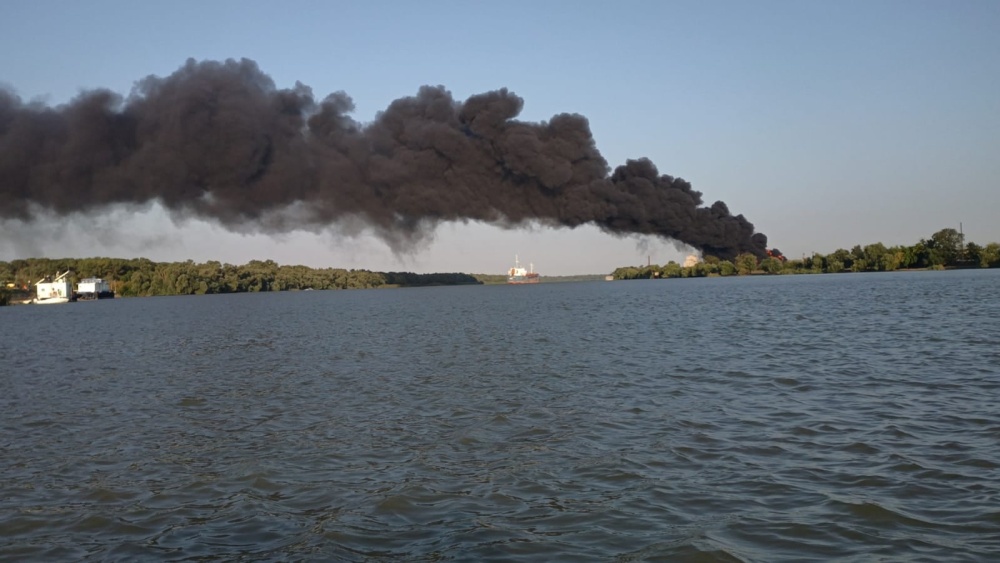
(219, 141)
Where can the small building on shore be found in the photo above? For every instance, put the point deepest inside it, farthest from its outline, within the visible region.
(94, 288)
(57, 290)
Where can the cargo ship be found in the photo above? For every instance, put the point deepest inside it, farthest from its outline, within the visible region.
(518, 275)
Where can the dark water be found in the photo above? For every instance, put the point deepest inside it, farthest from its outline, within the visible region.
(837, 417)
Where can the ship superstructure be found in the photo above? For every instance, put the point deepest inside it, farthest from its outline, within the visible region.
(519, 275)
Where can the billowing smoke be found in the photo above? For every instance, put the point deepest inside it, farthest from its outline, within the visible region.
(218, 141)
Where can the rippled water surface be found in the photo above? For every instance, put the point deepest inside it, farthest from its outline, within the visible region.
(836, 417)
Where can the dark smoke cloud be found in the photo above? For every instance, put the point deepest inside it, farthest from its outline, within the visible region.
(218, 141)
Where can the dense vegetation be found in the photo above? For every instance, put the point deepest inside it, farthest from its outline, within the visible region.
(143, 277)
(945, 249)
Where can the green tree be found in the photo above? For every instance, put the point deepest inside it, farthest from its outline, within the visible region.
(746, 263)
(875, 256)
(894, 258)
(842, 256)
(973, 254)
(857, 253)
(649, 272)
(818, 263)
(918, 255)
(990, 257)
(6, 274)
(671, 270)
(771, 265)
(946, 247)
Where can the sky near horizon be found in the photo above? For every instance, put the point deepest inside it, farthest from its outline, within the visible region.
(826, 124)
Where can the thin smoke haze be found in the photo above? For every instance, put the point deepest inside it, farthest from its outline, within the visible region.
(219, 141)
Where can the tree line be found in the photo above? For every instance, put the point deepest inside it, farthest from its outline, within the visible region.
(137, 277)
(944, 249)
(140, 277)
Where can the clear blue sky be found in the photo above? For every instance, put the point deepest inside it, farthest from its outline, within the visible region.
(826, 124)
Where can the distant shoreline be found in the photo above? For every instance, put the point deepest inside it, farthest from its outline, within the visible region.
(141, 277)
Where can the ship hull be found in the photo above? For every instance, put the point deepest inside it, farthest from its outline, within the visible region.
(95, 296)
(51, 301)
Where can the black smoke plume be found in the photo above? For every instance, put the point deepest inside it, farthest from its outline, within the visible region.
(218, 141)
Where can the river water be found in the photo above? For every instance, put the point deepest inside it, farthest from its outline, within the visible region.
(830, 417)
